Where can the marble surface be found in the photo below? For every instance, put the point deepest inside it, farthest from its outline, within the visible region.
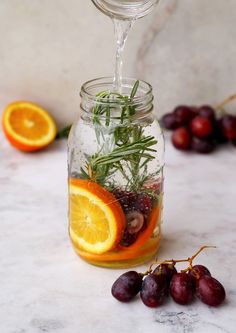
(186, 49)
(45, 287)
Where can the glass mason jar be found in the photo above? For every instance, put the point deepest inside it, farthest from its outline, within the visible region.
(115, 166)
(125, 9)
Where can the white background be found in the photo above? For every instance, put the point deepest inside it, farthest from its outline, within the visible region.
(186, 49)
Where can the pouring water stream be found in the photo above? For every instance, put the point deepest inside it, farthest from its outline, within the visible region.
(121, 28)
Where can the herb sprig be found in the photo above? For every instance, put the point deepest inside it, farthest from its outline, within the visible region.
(132, 149)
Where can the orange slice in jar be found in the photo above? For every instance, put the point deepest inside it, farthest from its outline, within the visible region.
(96, 218)
(142, 246)
(27, 126)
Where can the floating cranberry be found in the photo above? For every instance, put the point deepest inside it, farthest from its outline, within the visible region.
(126, 199)
(143, 203)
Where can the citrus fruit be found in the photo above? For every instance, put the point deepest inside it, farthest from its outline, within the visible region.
(143, 246)
(27, 126)
(97, 220)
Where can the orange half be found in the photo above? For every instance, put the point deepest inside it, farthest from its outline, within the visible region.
(27, 126)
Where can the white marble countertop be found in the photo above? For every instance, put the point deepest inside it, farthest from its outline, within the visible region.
(45, 287)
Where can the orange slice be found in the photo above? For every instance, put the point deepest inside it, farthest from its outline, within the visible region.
(97, 220)
(142, 246)
(27, 126)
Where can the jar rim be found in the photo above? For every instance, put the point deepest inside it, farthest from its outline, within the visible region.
(108, 81)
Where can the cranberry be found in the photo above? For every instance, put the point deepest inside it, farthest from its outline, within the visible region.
(126, 199)
(143, 203)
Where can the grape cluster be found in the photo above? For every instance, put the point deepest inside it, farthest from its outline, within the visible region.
(199, 129)
(155, 285)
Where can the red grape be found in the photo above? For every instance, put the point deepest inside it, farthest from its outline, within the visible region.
(127, 286)
(181, 138)
(201, 127)
(228, 125)
(210, 291)
(154, 290)
(195, 111)
(168, 270)
(234, 142)
(198, 271)
(182, 288)
(202, 146)
(184, 114)
(207, 111)
(134, 222)
(217, 134)
(170, 121)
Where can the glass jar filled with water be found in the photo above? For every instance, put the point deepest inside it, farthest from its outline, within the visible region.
(115, 160)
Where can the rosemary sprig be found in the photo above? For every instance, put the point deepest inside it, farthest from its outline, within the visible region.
(134, 89)
(139, 148)
(132, 151)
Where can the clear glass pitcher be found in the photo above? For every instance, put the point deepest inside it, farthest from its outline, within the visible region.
(115, 165)
(125, 9)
